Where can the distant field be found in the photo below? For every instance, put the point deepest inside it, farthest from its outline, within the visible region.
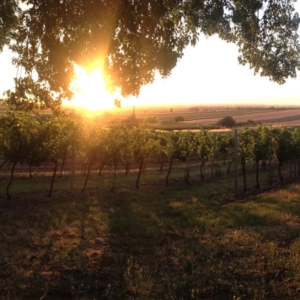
(202, 116)
(209, 116)
(278, 117)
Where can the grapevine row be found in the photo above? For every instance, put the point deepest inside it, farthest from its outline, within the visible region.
(36, 140)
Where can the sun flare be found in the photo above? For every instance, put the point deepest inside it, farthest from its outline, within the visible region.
(90, 90)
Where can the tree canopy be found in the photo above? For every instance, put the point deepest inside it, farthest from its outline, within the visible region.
(132, 39)
(227, 121)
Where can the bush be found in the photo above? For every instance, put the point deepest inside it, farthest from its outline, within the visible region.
(227, 122)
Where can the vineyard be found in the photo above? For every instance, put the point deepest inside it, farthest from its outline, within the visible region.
(57, 145)
(143, 214)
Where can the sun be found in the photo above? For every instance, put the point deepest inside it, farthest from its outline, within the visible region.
(90, 90)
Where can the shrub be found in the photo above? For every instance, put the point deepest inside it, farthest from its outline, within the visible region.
(227, 122)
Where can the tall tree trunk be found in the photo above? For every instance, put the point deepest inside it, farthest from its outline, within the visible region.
(169, 170)
(3, 163)
(87, 175)
(137, 184)
(101, 168)
(257, 174)
(10, 181)
(127, 167)
(52, 180)
(114, 177)
(62, 165)
(244, 176)
(161, 166)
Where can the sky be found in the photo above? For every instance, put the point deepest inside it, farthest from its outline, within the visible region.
(209, 73)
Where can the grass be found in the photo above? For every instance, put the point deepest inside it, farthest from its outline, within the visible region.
(177, 242)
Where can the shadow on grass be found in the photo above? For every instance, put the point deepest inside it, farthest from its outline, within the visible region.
(167, 243)
(56, 249)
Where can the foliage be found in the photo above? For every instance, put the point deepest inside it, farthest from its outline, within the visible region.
(205, 148)
(227, 122)
(8, 20)
(36, 140)
(132, 40)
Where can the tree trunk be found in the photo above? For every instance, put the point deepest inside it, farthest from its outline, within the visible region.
(52, 180)
(137, 184)
(87, 175)
(3, 163)
(101, 168)
(169, 170)
(10, 181)
(114, 177)
(127, 167)
(161, 166)
(62, 165)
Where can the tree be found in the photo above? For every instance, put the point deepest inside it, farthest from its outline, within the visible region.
(178, 119)
(227, 122)
(8, 19)
(132, 40)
